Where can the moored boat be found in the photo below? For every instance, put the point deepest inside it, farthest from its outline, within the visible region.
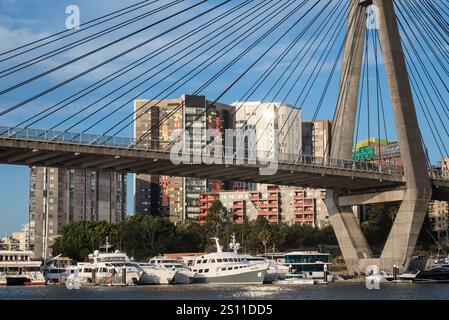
(227, 268)
(17, 268)
(183, 274)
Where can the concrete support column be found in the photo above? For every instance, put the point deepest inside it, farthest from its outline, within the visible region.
(350, 238)
(343, 131)
(407, 225)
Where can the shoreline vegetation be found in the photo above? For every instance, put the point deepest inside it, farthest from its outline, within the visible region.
(143, 237)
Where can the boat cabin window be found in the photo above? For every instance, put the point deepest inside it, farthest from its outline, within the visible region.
(207, 270)
(204, 261)
(230, 268)
(219, 260)
(223, 269)
(199, 261)
(152, 261)
(200, 271)
(212, 261)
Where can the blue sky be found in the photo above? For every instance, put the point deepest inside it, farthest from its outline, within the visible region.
(22, 21)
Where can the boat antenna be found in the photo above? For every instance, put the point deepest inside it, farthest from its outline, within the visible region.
(234, 245)
(107, 245)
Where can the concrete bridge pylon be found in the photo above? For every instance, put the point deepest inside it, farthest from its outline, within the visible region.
(402, 238)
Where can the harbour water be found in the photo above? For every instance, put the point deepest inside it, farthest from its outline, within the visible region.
(332, 291)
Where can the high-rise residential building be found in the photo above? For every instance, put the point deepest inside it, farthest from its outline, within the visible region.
(316, 138)
(268, 120)
(60, 196)
(175, 197)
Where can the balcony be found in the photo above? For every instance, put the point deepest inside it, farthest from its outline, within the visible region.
(273, 220)
(309, 204)
(204, 207)
(273, 198)
(238, 205)
(304, 219)
(254, 198)
(298, 196)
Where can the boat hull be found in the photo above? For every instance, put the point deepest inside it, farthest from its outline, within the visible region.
(249, 277)
(429, 276)
(183, 277)
(154, 276)
(21, 281)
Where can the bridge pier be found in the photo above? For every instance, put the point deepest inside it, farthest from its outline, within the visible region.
(350, 238)
(407, 225)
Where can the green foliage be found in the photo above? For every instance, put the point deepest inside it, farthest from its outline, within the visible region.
(378, 224)
(80, 238)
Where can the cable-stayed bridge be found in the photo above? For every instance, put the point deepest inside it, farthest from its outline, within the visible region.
(370, 66)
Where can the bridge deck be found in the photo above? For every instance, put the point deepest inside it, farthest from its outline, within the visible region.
(355, 178)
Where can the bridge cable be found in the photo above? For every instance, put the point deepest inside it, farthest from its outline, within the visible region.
(110, 59)
(28, 63)
(227, 48)
(156, 53)
(83, 27)
(349, 64)
(246, 51)
(320, 30)
(288, 67)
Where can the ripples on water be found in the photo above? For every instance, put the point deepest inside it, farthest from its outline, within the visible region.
(230, 292)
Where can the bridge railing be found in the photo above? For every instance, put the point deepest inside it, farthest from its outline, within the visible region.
(165, 147)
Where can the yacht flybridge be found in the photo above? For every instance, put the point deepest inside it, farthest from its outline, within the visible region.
(227, 267)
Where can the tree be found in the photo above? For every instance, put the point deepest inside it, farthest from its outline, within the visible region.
(80, 238)
(265, 239)
(379, 222)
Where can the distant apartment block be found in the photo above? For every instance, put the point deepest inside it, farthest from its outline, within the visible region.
(60, 196)
(316, 138)
(290, 205)
(176, 197)
(438, 213)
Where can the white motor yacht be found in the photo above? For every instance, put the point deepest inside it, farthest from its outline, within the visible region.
(227, 267)
(154, 274)
(183, 274)
(58, 269)
(109, 268)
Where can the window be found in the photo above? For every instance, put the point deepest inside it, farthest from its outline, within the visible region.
(204, 261)
(207, 270)
(212, 261)
(200, 271)
(230, 268)
(219, 260)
